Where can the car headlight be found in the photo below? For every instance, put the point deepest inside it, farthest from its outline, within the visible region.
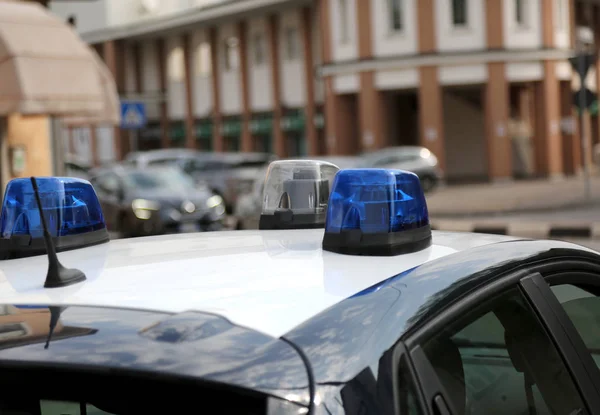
(142, 208)
(143, 204)
(214, 201)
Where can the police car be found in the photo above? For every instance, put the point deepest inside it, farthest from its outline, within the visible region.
(344, 302)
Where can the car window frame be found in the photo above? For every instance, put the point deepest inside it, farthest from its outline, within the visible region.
(534, 283)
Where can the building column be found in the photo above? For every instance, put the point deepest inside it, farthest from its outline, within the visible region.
(338, 130)
(161, 59)
(114, 58)
(497, 100)
(279, 142)
(371, 105)
(372, 114)
(548, 139)
(190, 127)
(499, 145)
(247, 141)
(431, 125)
(570, 131)
(431, 112)
(310, 107)
(217, 119)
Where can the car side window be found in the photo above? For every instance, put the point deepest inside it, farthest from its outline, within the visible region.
(108, 183)
(582, 305)
(498, 359)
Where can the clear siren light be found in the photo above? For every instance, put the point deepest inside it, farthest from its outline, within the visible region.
(376, 212)
(296, 193)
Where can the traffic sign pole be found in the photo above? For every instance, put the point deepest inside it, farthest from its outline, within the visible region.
(581, 68)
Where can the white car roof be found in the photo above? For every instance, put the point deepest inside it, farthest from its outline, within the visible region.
(270, 281)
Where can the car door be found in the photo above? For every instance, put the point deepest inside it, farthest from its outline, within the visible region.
(110, 190)
(517, 349)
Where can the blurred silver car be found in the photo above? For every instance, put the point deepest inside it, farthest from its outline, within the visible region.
(418, 160)
(226, 174)
(248, 207)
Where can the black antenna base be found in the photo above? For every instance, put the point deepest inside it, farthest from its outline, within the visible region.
(61, 277)
(58, 275)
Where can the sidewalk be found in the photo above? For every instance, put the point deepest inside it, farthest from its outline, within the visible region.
(539, 209)
(511, 197)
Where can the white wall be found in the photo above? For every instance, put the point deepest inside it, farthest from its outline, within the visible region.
(528, 34)
(398, 79)
(230, 86)
(562, 38)
(175, 78)
(463, 75)
(523, 72)
(471, 37)
(90, 15)
(346, 84)
(293, 83)
(343, 49)
(259, 74)
(202, 74)
(150, 76)
(387, 42)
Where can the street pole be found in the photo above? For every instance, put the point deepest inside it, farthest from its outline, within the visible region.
(582, 134)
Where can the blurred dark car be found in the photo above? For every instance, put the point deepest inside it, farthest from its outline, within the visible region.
(155, 200)
(247, 210)
(76, 166)
(418, 160)
(226, 174)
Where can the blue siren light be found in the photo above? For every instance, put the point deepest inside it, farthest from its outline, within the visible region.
(295, 194)
(71, 209)
(376, 212)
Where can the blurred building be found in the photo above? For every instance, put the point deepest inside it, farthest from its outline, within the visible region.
(485, 85)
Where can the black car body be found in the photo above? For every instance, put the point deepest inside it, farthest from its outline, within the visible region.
(155, 200)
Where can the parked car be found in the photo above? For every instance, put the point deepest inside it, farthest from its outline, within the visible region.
(76, 166)
(248, 208)
(418, 160)
(155, 200)
(226, 174)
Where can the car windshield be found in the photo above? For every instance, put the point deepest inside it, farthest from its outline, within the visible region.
(158, 179)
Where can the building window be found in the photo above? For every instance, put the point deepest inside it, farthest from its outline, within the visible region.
(343, 4)
(291, 43)
(459, 12)
(521, 12)
(203, 59)
(395, 14)
(231, 55)
(176, 65)
(259, 49)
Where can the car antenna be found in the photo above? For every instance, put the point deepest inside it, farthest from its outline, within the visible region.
(54, 316)
(58, 275)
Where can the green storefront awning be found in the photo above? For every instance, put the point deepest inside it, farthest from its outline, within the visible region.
(261, 126)
(204, 130)
(177, 131)
(231, 128)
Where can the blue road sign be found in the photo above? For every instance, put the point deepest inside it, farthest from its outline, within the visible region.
(133, 115)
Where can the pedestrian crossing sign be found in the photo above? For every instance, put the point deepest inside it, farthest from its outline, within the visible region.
(133, 114)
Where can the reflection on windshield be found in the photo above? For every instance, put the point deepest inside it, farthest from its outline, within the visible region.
(158, 179)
